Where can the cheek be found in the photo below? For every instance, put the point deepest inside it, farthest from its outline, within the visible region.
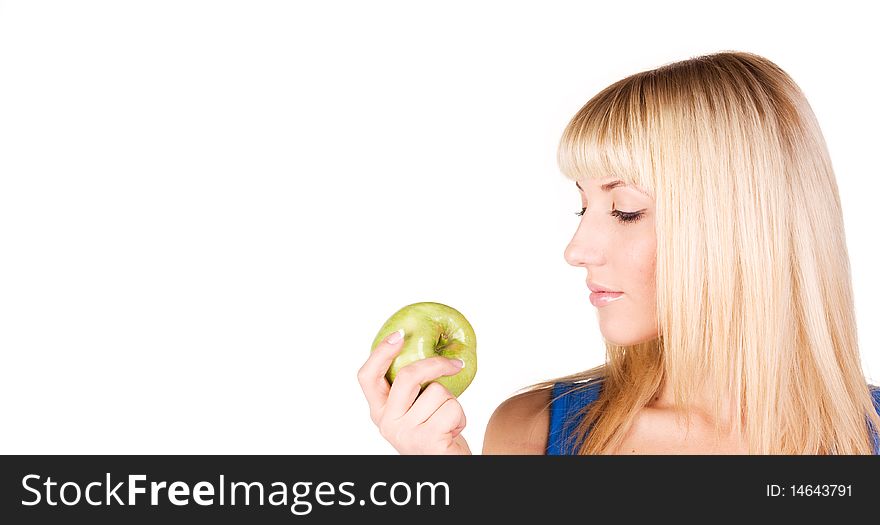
(642, 262)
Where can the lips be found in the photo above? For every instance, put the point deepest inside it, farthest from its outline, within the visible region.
(603, 298)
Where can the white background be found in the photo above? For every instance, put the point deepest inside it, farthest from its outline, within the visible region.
(208, 209)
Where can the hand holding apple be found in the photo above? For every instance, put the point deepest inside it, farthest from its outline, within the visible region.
(418, 419)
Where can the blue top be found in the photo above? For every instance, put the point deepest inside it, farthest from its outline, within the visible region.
(564, 417)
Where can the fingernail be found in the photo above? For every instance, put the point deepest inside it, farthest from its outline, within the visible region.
(395, 337)
(458, 363)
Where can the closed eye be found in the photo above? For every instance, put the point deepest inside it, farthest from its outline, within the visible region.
(622, 216)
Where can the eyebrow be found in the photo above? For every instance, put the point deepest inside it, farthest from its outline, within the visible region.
(605, 187)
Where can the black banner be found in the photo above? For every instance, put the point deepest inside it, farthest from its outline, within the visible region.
(431, 489)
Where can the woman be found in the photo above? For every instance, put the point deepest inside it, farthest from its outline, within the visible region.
(710, 208)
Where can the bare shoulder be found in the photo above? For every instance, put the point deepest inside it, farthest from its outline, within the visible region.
(519, 425)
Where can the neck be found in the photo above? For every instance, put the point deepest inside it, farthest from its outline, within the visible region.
(701, 406)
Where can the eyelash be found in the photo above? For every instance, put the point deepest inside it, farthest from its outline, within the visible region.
(622, 216)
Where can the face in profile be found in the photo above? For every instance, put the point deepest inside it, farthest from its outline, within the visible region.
(617, 245)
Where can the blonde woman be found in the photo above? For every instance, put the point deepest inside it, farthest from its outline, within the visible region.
(712, 237)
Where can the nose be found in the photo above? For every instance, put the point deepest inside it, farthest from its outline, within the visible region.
(585, 248)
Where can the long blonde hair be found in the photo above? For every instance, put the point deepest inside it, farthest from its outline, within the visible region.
(754, 296)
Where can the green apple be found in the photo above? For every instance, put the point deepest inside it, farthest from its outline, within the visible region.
(433, 329)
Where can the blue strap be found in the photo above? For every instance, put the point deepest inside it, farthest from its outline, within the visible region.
(567, 399)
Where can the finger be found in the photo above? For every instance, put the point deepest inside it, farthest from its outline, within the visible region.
(448, 418)
(426, 404)
(371, 375)
(409, 382)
